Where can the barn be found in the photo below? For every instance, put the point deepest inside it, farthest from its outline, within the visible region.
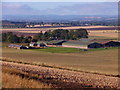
(112, 44)
(95, 45)
(17, 46)
(83, 44)
(56, 42)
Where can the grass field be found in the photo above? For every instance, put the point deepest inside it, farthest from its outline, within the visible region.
(68, 50)
(58, 50)
(97, 60)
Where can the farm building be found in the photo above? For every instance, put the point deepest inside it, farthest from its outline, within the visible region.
(17, 46)
(112, 44)
(38, 44)
(56, 42)
(95, 45)
(33, 44)
(41, 44)
(82, 44)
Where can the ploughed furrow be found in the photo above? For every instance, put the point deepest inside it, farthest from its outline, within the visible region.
(66, 78)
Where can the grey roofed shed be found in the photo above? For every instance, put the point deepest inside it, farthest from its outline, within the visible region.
(56, 42)
(76, 44)
(82, 44)
(16, 46)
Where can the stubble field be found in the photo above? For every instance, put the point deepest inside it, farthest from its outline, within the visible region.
(98, 61)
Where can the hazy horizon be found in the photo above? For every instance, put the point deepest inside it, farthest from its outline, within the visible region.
(59, 8)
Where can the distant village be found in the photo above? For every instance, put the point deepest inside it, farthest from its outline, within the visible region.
(82, 44)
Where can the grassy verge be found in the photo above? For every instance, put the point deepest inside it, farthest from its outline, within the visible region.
(13, 78)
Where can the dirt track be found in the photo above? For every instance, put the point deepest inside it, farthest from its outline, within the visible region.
(67, 79)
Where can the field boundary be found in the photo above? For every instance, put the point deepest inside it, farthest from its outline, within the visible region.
(63, 78)
(56, 67)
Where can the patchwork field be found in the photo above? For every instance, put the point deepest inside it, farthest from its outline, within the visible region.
(104, 31)
(99, 61)
(103, 61)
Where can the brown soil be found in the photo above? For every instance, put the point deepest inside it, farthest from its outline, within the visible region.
(66, 78)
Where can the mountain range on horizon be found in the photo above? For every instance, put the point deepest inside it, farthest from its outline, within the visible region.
(96, 8)
(59, 18)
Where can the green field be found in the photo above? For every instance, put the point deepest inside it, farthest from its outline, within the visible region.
(95, 60)
(58, 50)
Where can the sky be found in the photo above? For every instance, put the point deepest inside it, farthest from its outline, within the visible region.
(59, 8)
(60, 0)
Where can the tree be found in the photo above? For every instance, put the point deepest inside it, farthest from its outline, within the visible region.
(38, 36)
(29, 38)
(15, 39)
(4, 36)
(81, 33)
(21, 38)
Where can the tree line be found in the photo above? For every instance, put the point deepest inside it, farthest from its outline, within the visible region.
(58, 34)
(9, 24)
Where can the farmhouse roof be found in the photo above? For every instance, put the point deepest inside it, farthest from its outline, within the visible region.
(14, 45)
(56, 41)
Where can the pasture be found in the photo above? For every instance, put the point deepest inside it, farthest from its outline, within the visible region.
(103, 61)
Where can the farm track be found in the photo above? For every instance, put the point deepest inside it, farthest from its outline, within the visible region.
(65, 78)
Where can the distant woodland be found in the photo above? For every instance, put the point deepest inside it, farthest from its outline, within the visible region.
(13, 24)
(58, 34)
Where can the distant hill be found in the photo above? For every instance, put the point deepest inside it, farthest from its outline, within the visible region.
(58, 18)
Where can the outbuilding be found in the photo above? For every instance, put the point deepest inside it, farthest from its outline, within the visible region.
(17, 46)
(41, 44)
(33, 44)
(56, 42)
(95, 45)
(112, 44)
(82, 44)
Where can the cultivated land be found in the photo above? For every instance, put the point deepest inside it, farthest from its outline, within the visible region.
(57, 78)
(104, 31)
(65, 67)
(15, 81)
(103, 61)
